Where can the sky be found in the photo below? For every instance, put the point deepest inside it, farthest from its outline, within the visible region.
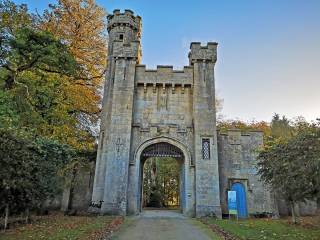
(268, 52)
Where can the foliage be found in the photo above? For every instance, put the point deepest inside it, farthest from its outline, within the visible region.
(280, 127)
(13, 17)
(48, 99)
(56, 227)
(161, 182)
(35, 51)
(224, 125)
(82, 27)
(28, 170)
(292, 166)
(8, 111)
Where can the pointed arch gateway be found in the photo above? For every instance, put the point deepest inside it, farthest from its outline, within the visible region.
(154, 159)
(162, 147)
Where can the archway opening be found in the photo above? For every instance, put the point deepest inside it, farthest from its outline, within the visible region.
(162, 177)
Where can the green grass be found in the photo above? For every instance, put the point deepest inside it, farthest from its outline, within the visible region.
(205, 229)
(267, 229)
(60, 227)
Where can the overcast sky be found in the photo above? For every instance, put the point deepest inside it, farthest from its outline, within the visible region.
(268, 53)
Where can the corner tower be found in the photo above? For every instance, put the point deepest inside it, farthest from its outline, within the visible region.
(111, 175)
(203, 59)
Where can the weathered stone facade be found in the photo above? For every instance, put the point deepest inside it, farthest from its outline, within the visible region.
(237, 163)
(143, 108)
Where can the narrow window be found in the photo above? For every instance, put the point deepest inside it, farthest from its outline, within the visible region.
(121, 36)
(101, 140)
(206, 148)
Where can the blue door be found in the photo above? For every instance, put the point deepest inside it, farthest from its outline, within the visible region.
(241, 199)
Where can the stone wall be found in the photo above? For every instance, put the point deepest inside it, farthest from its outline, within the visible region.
(237, 163)
(164, 75)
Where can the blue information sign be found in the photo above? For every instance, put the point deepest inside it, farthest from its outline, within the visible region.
(232, 202)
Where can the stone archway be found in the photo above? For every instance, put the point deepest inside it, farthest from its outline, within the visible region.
(162, 146)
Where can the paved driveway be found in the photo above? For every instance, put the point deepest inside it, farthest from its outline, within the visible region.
(161, 224)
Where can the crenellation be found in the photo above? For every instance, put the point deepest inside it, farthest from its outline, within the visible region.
(164, 74)
(127, 18)
(116, 12)
(212, 45)
(129, 12)
(238, 132)
(207, 53)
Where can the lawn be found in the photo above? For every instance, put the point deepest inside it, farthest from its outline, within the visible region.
(268, 229)
(61, 227)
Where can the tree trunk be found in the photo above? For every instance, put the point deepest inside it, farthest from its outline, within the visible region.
(318, 206)
(27, 214)
(295, 213)
(275, 214)
(73, 179)
(6, 217)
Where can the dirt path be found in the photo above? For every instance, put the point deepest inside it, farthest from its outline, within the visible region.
(156, 225)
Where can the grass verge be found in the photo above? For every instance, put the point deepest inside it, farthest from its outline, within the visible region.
(269, 229)
(54, 227)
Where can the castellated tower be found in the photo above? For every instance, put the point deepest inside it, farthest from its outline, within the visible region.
(203, 59)
(156, 113)
(124, 53)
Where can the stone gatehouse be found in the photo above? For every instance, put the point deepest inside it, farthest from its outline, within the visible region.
(166, 112)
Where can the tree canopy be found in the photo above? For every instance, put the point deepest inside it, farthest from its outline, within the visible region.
(51, 67)
(290, 161)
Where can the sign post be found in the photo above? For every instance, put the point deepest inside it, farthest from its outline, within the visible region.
(232, 203)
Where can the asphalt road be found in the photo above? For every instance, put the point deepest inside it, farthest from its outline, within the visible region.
(156, 225)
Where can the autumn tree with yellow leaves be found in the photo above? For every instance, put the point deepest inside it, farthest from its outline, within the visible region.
(81, 26)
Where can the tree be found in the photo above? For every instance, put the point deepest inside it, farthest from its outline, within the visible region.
(13, 17)
(28, 170)
(82, 26)
(224, 125)
(36, 73)
(36, 51)
(280, 127)
(292, 167)
(161, 182)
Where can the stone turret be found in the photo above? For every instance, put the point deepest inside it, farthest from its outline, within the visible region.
(110, 185)
(124, 23)
(200, 53)
(124, 34)
(203, 59)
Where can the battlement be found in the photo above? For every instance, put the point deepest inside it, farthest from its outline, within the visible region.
(239, 137)
(126, 18)
(164, 75)
(207, 53)
(236, 131)
(197, 45)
